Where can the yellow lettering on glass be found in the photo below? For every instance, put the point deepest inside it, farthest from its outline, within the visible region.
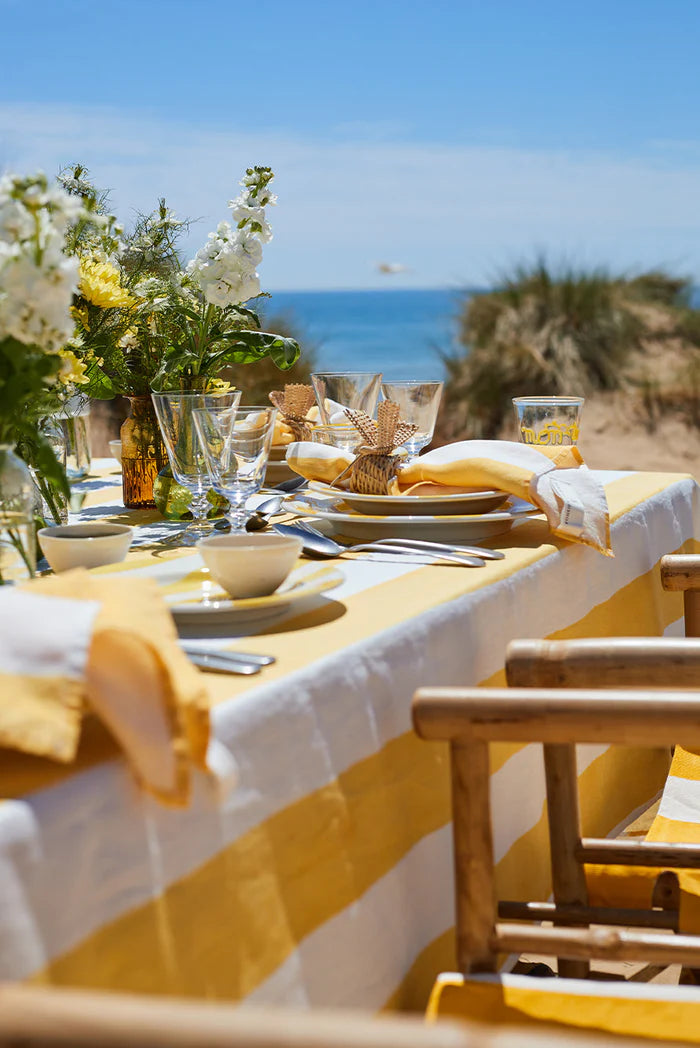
(552, 432)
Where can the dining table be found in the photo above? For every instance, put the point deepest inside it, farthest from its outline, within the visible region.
(321, 875)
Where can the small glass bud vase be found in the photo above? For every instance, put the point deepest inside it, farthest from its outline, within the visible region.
(75, 422)
(143, 454)
(17, 530)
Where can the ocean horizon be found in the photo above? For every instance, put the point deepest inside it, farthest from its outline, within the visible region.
(402, 332)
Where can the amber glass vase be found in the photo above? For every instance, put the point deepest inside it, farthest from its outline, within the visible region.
(143, 454)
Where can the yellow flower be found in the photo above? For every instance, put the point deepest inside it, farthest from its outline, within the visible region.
(99, 284)
(219, 385)
(72, 370)
(81, 314)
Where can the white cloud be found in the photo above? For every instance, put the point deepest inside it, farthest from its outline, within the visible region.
(450, 214)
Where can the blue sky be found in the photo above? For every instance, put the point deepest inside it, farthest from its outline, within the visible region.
(455, 137)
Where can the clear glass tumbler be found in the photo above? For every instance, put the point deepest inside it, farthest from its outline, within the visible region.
(336, 390)
(419, 403)
(344, 437)
(548, 420)
(236, 446)
(175, 413)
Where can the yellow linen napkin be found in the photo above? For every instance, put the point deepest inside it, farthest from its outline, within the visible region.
(119, 657)
(555, 479)
(318, 461)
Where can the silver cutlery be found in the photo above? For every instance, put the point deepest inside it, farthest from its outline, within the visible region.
(435, 555)
(259, 517)
(476, 551)
(316, 544)
(294, 484)
(215, 664)
(229, 656)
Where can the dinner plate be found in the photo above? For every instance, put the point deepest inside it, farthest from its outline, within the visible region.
(457, 527)
(277, 468)
(415, 505)
(195, 597)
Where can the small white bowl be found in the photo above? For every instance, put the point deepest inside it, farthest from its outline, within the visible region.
(68, 546)
(115, 446)
(249, 565)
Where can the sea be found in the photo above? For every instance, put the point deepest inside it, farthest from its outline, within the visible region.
(400, 332)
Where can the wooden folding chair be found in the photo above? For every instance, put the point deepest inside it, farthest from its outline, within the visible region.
(471, 718)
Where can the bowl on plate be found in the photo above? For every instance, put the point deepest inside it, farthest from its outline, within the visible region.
(249, 565)
(115, 446)
(68, 546)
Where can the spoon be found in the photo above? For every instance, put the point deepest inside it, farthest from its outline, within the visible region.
(291, 485)
(315, 544)
(258, 518)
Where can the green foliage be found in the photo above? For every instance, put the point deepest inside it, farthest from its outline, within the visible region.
(548, 333)
(25, 373)
(259, 381)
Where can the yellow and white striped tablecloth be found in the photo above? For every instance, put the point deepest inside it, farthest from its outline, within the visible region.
(324, 878)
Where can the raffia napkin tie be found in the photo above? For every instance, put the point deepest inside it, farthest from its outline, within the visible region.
(375, 465)
(293, 402)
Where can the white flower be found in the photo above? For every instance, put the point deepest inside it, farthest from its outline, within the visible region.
(35, 300)
(37, 280)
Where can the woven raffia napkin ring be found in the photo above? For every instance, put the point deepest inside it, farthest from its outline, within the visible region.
(293, 403)
(375, 464)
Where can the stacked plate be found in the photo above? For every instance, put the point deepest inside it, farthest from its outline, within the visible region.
(277, 468)
(459, 517)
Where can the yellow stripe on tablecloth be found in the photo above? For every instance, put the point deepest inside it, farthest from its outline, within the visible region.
(347, 833)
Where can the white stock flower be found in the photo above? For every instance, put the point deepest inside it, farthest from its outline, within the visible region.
(35, 301)
(37, 280)
(225, 267)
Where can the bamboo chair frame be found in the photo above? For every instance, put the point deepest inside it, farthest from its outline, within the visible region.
(46, 1017)
(471, 718)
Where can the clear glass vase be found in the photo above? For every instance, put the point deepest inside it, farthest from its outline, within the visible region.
(75, 422)
(17, 530)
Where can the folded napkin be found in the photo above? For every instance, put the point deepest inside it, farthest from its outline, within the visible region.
(318, 461)
(554, 478)
(79, 641)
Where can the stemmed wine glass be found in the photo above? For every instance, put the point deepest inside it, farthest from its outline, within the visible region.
(419, 403)
(236, 445)
(175, 414)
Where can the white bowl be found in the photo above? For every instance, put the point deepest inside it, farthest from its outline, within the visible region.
(68, 546)
(249, 565)
(115, 446)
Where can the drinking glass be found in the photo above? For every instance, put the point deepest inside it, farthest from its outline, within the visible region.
(419, 403)
(345, 437)
(358, 390)
(236, 445)
(175, 414)
(548, 420)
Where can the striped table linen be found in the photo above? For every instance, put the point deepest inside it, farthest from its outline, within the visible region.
(324, 878)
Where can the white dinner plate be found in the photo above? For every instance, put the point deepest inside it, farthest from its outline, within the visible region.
(458, 527)
(415, 505)
(277, 468)
(195, 597)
